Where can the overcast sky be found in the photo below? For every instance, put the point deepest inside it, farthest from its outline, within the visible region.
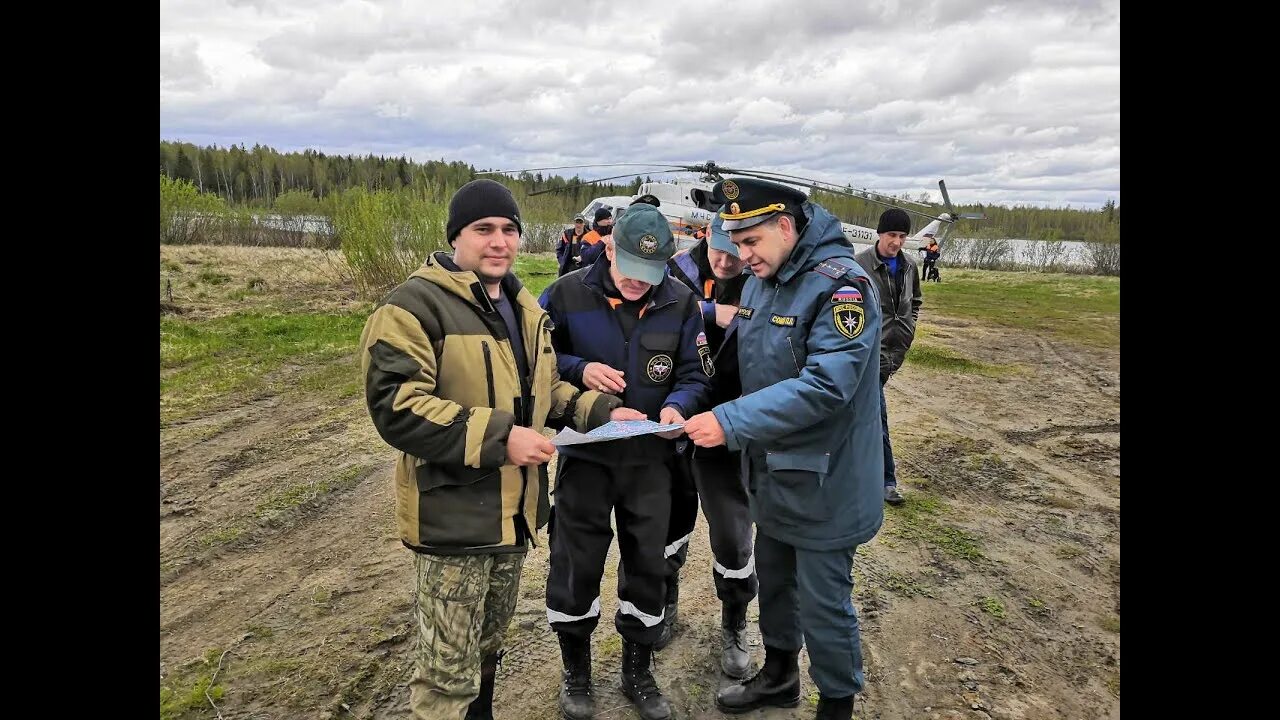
(1011, 103)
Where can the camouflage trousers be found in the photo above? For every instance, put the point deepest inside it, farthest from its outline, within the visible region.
(463, 606)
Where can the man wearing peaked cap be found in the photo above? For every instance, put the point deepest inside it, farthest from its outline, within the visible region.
(750, 201)
(807, 427)
(624, 328)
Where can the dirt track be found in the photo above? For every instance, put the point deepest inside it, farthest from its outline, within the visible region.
(995, 593)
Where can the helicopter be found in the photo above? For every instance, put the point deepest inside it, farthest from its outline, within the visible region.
(689, 207)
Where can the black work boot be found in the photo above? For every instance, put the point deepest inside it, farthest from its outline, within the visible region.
(576, 701)
(482, 707)
(734, 658)
(638, 683)
(776, 685)
(669, 613)
(834, 708)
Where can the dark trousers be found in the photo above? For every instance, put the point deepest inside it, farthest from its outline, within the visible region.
(806, 596)
(640, 497)
(890, 470)
(930, 271)
(717, 480)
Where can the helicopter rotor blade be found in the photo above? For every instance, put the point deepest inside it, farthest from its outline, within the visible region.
(837, 190)
(571, 167)
(889, 198)
(585, 183)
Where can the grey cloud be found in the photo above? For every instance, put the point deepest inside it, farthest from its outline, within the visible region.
(965, 66)
(1017, 98)
(181, 69)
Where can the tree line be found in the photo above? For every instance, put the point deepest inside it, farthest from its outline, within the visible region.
(301, 182)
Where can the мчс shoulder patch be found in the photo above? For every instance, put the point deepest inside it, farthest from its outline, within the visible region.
(704, 355)
(850, 319)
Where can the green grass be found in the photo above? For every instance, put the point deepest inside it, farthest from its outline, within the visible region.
(179, 695)
(176, 703)
(611, 646)
(201, 360)
(917, 519)
(222, 536)
(1080, 308)
(536, 271)
(905, 585)
(939, 358)
(992, 607)
(286, 499)
(338, 379)
(213, 277)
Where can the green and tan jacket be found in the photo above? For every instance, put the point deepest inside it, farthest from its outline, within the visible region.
(442, 387)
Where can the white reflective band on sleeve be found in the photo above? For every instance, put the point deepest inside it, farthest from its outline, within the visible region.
(738, 574)
(557, 616)
(626, 608)
(674, 547)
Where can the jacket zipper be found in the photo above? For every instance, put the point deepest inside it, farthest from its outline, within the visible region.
(793, 355)
(524, 487)
(488, 374)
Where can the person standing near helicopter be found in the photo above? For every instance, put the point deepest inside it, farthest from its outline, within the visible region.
(592, 247)
(569, 249)
(931, 255)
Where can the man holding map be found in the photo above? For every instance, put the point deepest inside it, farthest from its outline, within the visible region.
(621, 326)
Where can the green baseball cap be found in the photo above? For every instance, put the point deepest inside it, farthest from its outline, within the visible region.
(644, 244)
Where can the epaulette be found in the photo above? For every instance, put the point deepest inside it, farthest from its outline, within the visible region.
(834, 268)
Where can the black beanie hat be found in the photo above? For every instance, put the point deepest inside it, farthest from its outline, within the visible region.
(480, 199)
(894, 220)
(603, 213)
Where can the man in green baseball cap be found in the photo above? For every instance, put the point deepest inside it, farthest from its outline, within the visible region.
(621, 326)
(642, 244)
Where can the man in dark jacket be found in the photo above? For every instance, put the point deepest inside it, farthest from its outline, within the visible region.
(621, 327)
(808, 429)
(592, 247)
(460, 377)
(569, 249)
(894, 273)
(714, 272)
